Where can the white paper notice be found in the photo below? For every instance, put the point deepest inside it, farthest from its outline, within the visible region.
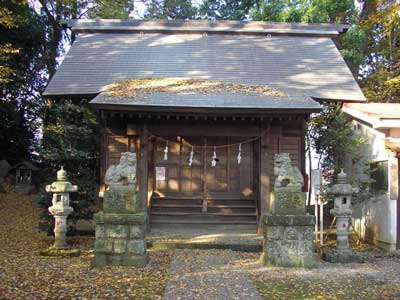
(160, 173)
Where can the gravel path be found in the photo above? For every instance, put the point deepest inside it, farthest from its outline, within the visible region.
(205, 235)
(207, 275)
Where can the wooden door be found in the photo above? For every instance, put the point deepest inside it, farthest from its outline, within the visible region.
(167, 173)
(191, 180)
(216, 177)
(201, 178)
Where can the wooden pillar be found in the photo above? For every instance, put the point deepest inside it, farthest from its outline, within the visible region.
(143, 167)
(264, 181)
(398, 203)
(303, 148)
(103, 150)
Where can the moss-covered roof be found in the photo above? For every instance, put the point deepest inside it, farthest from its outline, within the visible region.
(130, 88)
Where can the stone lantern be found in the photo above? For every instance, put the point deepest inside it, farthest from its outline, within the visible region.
(342, 193)
(60, 208)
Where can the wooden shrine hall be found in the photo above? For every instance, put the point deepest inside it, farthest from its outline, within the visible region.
(205, 105)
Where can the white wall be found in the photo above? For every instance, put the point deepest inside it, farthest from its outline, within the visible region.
(375, 219)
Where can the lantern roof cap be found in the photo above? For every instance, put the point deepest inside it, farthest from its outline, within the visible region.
(342, 187)
(61, 174)
(62, 185)
(342, 177)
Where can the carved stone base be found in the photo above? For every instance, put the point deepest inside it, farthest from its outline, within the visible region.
(288, 241)
(288, 202)
(120, 240)
(102, 260)
(122, 199)
(60, 252)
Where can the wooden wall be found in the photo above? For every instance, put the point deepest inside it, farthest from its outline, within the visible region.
(276, 136)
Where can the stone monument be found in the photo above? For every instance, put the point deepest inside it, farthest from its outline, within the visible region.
(288, 230)
(60, 209)
(342, 193)
(120, 227)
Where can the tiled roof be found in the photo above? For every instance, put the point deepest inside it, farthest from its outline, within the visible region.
(303, 65)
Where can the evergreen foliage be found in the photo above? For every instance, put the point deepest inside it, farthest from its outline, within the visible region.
(380, 71)
(226, 10)
(70, 139)
(170, 9)
(110, 9)
(22, 79)
(70, 129)
(332, 137)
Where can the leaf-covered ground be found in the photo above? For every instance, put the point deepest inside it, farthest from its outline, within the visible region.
(26, 275)
(378, 278)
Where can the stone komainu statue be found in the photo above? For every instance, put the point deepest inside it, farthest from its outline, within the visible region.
(286, 174)
(124, 173)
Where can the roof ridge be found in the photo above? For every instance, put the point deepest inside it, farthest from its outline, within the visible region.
(209, 26)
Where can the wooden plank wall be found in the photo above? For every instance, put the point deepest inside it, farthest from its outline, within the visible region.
(277, 138)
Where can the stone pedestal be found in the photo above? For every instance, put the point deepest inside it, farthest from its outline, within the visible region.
(342, 256)
(288, 240)
(288, 201)
(288, 230)
(342, 230)
(120, 229)
(343, 252)
(60, 232)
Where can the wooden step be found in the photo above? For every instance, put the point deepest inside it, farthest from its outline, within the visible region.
(216, 228)
(232, 196)
(205, 218)
(201, 222)
(226, 209)
(199, 214)
(176, 208)
(231, 202)
(175, 201)
(188, 209)
(176, 205)
(199, 201)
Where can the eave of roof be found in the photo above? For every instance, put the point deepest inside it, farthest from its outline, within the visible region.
(393, 144)
(195, 102)
(27, 164)
(205, 26)
(375, 114)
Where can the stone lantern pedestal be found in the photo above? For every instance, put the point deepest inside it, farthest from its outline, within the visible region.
(60, 209)
(342, 193)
